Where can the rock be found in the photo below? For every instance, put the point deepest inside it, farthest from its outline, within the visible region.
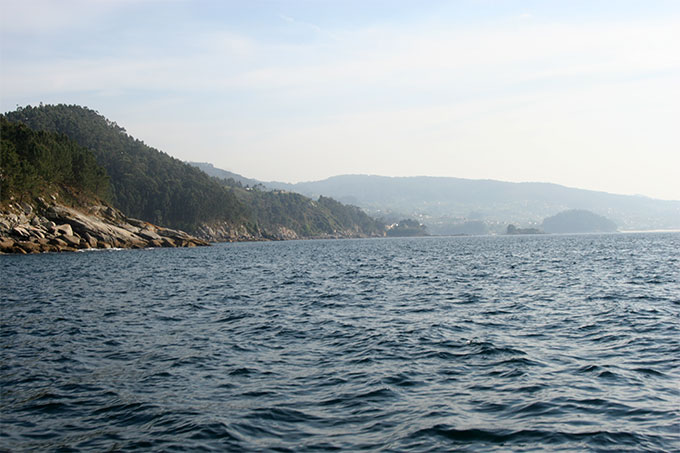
(129, 228)
(36, 232)
(27, 208)
(138, 223)
(71, 240)
(135, 245)
(20, 232)
(61, 228)
(18, 250)
(92, 242)
(150, 235)
(6, 244)
(58, 242)
(29, 247)
(65, 229)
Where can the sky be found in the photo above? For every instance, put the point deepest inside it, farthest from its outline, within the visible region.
(580, 93)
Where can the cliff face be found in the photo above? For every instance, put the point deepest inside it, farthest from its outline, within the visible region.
(43, 226)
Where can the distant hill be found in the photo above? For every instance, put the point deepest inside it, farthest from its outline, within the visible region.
(407, 228)
(273, 208)
(578, 221)
(148, 184)
(211, 170)
(445, 204)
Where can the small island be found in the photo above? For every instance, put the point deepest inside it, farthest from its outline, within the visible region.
(407, 228)
(512, 229)
(578, 221)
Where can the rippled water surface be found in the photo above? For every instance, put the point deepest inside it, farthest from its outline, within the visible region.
(471, 344)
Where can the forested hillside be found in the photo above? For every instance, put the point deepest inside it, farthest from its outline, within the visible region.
(324, 217)
(148, 184)
(578, 221)
(145, 183)
(33, 163)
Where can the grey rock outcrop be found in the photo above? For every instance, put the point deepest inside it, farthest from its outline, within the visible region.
(53, 227)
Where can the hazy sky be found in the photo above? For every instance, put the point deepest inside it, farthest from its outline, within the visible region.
(580, 93)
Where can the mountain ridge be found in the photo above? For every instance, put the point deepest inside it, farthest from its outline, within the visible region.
(446, 203)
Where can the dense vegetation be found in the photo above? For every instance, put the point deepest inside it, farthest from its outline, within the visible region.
(33, 162)
(145, 183)
(407, 227)
(512, 229)
(307, 217)
(148, 184)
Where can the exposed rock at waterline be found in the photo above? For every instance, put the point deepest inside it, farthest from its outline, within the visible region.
(42, 227)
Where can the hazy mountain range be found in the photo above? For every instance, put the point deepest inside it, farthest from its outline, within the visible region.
(457, 205)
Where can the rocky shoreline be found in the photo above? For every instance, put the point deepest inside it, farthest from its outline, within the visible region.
(53, 227)
(222, 231)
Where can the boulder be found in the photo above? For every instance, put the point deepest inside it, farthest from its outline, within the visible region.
(149, 234)
(28, 209)
(138, 223)
(64, 229)
(29, 247)
(58, 242)
(71, 240)
(36, 232)
(20, 232)
(92, 242)
(6, 244)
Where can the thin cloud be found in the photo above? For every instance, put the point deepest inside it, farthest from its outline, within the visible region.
(291, 20)
(375, 96)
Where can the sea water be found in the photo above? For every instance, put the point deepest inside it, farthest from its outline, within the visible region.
(523, 343)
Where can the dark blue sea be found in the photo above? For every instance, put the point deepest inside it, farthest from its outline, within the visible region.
(522, 343)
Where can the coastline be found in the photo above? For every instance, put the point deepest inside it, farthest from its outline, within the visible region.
(43, 226)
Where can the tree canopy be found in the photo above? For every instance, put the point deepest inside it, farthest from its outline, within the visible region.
(149, 184)
(145, 182)
(32, 162)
